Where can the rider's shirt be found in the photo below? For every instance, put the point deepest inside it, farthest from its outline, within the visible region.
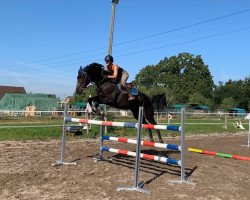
(120, 71)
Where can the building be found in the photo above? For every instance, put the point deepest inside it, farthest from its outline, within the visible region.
(20, 102)
(11, 89)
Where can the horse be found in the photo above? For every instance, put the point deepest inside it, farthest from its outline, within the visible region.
(110, 94)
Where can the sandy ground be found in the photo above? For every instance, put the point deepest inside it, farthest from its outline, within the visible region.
(26, 171)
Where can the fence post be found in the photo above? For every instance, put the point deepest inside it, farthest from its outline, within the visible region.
(101, 132)
(183, 175)
(183, 178)
(137, 185)
(248, 140)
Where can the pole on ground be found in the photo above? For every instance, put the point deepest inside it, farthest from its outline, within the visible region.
(61, 161)
(137, 185)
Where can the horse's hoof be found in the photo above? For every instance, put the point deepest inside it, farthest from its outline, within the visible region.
(161, 141)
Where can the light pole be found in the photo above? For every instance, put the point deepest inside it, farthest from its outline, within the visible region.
(112, 22)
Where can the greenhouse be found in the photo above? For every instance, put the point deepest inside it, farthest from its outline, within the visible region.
(18, 102)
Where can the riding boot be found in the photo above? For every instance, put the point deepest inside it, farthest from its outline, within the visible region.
(131, 96)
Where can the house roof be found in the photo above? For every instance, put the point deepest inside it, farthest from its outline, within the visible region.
(11, 89)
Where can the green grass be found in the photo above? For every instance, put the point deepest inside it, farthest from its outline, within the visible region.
(46, 133)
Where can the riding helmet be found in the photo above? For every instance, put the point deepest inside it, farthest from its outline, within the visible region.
(109, 58)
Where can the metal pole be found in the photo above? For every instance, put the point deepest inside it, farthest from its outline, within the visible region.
(102, 128)
(61, 161)
(138, 148)
(183, 176)
(112, 23)
(64, 133)
(137, 185)
(105, 118)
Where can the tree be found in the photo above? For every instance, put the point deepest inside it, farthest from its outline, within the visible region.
(184, 74)
(228, 103)
(197, 98)
(238, 90)
(90, 90)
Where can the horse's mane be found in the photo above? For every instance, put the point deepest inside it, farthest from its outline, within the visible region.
(93, 66)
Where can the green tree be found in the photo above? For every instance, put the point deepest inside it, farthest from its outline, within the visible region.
(228, 103)
(184, 74)
(90, 90)
(238, 90)
(197, 98)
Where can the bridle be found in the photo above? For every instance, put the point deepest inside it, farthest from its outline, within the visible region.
(97, 83)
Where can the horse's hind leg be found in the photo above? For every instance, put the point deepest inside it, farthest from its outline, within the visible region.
(151, 120)
(149, 130)
(135, 113)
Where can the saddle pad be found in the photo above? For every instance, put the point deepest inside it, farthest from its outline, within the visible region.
(134, 91)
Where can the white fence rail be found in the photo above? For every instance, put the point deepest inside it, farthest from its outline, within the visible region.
(121, 112)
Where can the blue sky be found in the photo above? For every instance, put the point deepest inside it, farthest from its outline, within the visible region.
(60, 31)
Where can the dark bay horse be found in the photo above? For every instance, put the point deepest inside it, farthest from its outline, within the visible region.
(109, 93)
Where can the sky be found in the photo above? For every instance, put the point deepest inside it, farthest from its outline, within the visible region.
(43, 43)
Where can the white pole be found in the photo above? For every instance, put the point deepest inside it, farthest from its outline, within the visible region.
(248, 140)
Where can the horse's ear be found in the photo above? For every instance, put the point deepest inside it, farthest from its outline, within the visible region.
(80, 69)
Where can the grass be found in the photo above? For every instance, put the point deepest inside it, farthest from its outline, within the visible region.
(12, 132)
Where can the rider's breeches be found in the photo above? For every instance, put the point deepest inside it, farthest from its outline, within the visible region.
(124, 78)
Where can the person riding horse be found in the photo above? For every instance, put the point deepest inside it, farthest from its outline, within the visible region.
(118, 74)
(108, 93)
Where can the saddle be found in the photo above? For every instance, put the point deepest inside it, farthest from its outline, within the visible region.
(132, 89)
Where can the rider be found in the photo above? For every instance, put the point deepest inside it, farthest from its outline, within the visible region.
(118, 74)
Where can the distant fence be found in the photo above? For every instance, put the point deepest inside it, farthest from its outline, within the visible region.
(170, 117)
(120, 113)
(127, 113)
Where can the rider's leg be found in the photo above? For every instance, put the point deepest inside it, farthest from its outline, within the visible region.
(123, 80)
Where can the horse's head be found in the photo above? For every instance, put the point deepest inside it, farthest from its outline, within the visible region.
(82, 80)
(90, 73)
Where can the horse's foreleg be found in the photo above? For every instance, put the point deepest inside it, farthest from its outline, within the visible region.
(150, 135)
(90, 101)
